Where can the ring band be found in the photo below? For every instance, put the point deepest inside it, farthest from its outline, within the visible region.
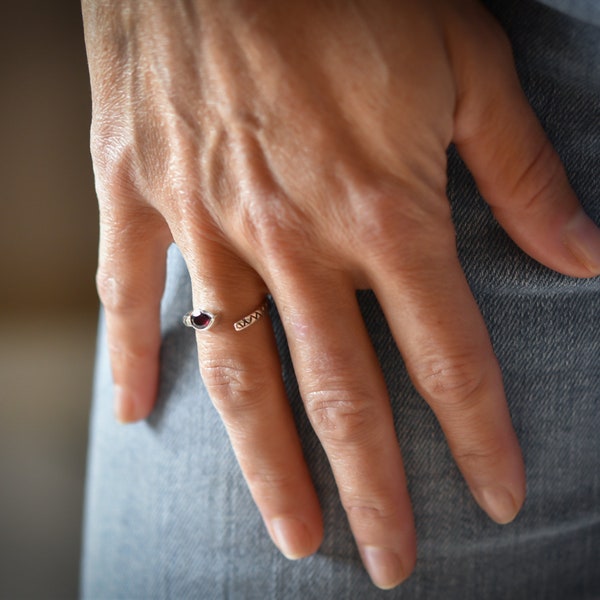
(201, 320)
(250, 319)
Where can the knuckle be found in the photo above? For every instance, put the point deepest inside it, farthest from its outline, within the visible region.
(269, 481)
(386, 221)
(129, 355)
(115, 176)
(489, 35)
(116, 168)
(113, 295)
(234, 387)
(107, 143)
(379, 222)
(478, 457)
(370, 510)
(105, 284)
(121, 293)
(340, 415)
(452, 381)
(104, 144)
(541, 175)
(271, 224)
(498, 46)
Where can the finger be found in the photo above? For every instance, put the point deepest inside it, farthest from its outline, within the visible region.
(516, 168)
(242, 374)
(130, 281)
(347, 403)
(448, 354)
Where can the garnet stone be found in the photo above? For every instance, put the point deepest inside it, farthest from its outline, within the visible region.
(202, 319)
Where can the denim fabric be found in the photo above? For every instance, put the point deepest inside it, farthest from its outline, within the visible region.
(586, 10)
(168, 514)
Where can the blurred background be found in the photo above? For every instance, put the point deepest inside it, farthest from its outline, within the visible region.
(48, 236)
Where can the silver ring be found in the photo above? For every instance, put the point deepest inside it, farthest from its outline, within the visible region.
(201, 319)
(254, 316)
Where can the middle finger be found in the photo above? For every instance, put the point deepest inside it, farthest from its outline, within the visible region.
(347, 402)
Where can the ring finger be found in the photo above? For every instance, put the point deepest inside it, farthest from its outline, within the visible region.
(242, 374)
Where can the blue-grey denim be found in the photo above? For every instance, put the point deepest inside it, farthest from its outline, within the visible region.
(168, 514)
(585, 10)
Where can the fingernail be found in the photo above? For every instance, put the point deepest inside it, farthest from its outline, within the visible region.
(124, 407)
(120, 401)
(499, 503)
(583, 240)
(292, 537)
(383, 565)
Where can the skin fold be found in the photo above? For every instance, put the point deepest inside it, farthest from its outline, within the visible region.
(299, 149)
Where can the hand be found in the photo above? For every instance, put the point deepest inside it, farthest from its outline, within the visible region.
(300, 149)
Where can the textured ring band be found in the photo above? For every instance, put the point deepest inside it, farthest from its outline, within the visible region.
(201, 320)
(250, 319)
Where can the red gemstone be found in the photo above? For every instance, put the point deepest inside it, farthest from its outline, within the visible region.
(202, 320)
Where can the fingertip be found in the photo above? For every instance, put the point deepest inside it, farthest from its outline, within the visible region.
(582, 238)
(294, 538)
(502, 501)
(135, 366)
(386, 568)
(129, 407)
(499, 503)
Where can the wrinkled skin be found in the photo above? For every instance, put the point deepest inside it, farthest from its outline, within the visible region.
(299, 148)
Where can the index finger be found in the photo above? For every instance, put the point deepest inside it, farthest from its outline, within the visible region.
(443, 339)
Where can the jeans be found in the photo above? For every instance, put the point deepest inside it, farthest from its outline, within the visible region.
(586, 10)
(168, 514)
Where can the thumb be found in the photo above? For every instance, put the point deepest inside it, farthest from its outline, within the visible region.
(515, 166)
